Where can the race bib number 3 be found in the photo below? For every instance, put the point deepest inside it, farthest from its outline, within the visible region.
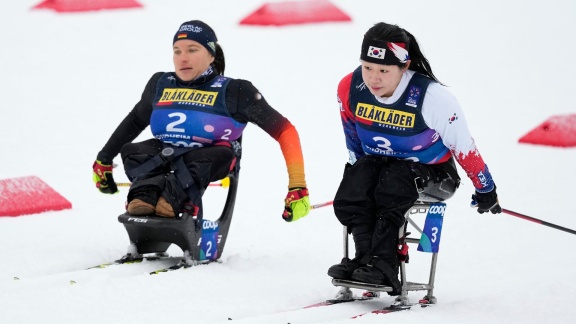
(430, 239)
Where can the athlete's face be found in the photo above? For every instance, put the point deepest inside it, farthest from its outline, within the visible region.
(380, 79)
(190, 59)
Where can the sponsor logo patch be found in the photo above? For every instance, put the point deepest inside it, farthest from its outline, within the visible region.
(191, 28)
(413, 96)
(385, 116)
(187, 96)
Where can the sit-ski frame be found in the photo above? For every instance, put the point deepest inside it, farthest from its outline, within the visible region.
(201, 240)
(345, 294)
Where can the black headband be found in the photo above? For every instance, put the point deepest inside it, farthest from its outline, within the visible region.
(385, 53)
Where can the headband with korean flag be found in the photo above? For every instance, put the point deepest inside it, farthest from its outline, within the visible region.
(382, 52)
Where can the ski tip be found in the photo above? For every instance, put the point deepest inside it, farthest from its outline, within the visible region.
(100, 266)
(324, 303)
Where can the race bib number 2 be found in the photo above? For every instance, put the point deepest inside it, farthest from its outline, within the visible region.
(430, 239)
(210, 240)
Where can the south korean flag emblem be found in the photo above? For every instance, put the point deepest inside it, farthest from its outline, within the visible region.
(376, 52)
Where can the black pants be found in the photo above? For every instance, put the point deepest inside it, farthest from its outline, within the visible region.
(204, 164)
(376, 192)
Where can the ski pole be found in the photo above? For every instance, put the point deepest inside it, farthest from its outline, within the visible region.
(223, 183)
(538, 221)
(328, 203)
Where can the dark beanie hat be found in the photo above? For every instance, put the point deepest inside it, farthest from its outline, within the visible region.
(198, 31)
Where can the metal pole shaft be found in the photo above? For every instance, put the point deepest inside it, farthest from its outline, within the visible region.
(538, 221)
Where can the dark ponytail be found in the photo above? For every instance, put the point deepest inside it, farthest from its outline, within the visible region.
(392, 33)
(219, 61)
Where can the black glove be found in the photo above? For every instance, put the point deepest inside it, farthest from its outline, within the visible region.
(487, 201)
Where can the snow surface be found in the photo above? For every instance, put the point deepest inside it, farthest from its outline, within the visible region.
(69, 79)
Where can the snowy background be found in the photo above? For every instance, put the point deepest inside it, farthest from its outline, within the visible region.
(69, 79)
